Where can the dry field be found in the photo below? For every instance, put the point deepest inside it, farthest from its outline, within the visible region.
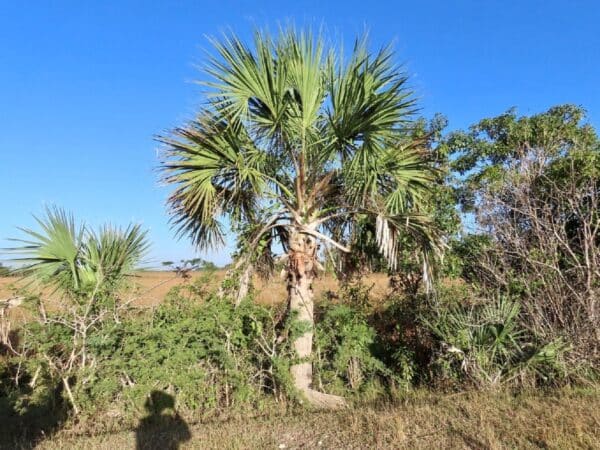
(149, 288)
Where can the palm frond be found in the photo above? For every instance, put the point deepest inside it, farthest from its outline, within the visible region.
(216, 170)
(75, 259)
(420, 229)
(50, 256)
(370, 100)
(114, 253)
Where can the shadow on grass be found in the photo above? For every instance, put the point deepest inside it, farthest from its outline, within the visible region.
(159, 430)
(25, 421)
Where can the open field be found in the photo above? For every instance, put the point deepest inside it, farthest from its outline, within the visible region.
(473, 420)
(150, 287)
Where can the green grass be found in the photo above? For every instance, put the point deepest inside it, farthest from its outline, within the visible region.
(423, 420)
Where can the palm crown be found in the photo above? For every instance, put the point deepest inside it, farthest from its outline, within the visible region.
(296, 138)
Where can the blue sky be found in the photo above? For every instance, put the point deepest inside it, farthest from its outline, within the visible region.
(85, 85)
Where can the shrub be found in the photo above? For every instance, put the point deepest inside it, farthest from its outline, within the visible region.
(346, 356)
(533, 186)
(208, 355)
(486, 344)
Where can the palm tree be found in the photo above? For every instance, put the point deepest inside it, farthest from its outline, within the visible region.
(87, 268)
(295, 145)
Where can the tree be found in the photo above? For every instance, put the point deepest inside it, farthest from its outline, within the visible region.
(296, 145)
(533, 186)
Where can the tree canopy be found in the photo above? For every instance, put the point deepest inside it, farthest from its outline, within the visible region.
(295, 133)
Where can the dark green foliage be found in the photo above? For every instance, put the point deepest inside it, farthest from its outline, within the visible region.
(214, 358)
(29, 413)
(486, 344)
(345, 353)
(200, 353)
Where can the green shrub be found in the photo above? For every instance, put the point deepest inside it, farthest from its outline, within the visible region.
(486, 344)
(346, 352)
(207, 355)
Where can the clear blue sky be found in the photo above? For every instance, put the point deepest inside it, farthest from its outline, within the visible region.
(84, 85)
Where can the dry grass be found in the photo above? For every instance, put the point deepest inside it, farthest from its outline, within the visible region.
(477, 420)
(153, 286)
(150, 288)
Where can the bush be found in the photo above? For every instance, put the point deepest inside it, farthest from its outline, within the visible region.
(345, 353)
(533, 186)
(203, 354)
(208, 355)
(485, 344)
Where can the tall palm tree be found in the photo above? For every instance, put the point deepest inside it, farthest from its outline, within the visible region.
(295, 144)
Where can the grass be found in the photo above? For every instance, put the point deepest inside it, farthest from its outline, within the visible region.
(562, 419)
(150, 287)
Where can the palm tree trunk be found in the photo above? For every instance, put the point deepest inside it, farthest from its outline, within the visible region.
(301, 273)
(301, 301)
(244, 286)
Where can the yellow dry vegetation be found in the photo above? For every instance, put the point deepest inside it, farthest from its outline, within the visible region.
(149, 288)
(468, 420)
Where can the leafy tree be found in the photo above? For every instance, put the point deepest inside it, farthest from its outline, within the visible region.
(533, 186)
(296, 145)
(492, 148)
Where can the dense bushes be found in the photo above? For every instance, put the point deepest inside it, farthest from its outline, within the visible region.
(208, 354)
(215, 358)
(533, 186)
(346, 353)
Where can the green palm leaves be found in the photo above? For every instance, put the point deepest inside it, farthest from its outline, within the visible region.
(52, 253)
(294, 129)
(77, 260)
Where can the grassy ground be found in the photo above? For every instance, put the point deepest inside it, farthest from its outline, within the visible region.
(556, 420)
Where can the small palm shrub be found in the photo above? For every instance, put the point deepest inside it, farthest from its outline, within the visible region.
(486, 344)
(85, 270)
